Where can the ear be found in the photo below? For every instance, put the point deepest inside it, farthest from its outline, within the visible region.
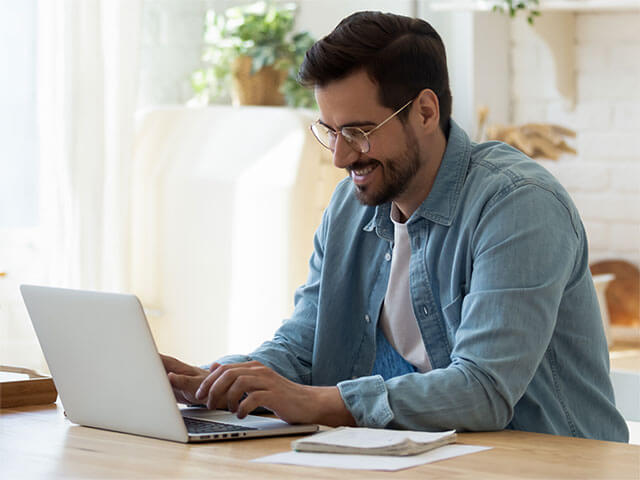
(428, 110)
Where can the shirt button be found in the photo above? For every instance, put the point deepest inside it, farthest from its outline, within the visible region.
(367, 318)
(425, 310)
(387, 256)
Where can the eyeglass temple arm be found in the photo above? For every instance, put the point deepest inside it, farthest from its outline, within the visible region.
(366, 134)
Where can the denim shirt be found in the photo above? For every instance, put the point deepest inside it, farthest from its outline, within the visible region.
(501, 290)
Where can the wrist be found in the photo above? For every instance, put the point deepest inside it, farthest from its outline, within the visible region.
(328, 408)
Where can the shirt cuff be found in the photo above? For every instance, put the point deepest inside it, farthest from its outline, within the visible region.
(368, 401)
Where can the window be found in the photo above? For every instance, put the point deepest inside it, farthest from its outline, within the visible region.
(18, 180)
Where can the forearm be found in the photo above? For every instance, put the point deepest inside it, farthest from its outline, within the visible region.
(440, 400)
(326, 407)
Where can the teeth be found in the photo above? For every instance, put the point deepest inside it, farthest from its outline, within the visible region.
(364, 171)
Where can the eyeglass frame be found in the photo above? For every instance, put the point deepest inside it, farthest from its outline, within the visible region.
(357, 129)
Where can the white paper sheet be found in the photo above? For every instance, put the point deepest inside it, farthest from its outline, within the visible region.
(369, 462)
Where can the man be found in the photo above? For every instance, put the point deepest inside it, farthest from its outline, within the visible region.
(449, 285)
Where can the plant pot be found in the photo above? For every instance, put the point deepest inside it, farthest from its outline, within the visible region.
(260, 88)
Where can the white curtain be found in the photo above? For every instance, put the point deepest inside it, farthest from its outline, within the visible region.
(87, 80)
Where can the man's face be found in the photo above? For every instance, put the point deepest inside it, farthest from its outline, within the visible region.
(385, 172)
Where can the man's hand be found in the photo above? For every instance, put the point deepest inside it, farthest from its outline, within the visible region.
(242, 387)
(185, 379)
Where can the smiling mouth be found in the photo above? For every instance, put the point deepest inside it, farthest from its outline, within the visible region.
(362, 170)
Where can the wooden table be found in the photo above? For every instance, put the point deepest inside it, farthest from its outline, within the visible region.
(38, 442)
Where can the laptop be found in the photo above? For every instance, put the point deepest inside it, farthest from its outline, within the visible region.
(109, 375)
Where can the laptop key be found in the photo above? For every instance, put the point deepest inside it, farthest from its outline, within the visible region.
(195, 425)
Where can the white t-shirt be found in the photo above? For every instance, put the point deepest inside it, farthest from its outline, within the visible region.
(397, 320)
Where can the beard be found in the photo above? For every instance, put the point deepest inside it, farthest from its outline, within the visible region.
(397, 174)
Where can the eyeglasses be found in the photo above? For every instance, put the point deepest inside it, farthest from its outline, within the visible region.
(357, 138)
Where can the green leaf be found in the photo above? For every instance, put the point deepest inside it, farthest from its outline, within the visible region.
(513, 6)
(262, 31)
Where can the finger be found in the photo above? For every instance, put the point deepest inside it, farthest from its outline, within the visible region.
(241, 388)
(219, 388)
(203, 389)
(172, 364)
(168, 362)
(187, 383)
(178, 393)
(216, 371)
(180, 398)
(253, 400)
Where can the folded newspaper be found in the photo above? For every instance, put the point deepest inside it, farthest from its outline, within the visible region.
(373, 441)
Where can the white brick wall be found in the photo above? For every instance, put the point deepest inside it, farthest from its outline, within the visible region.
(604, 178)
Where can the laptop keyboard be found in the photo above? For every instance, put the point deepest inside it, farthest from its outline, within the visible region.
(195, 425)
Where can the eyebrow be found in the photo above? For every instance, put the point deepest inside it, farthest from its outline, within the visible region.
(351, 124)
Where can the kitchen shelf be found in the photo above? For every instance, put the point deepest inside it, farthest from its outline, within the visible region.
(558, 5)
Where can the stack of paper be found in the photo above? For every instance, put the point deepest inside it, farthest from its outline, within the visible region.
(372, 441)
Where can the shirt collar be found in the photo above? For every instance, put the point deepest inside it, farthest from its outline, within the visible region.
(440, 204)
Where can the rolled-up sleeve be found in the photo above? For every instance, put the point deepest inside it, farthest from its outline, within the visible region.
(367, 400)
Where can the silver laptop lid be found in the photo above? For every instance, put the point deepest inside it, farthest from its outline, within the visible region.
(104, 361)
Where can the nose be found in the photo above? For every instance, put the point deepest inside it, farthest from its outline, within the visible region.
(343, 154)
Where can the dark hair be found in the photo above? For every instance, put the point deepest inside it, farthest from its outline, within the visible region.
(402, 55)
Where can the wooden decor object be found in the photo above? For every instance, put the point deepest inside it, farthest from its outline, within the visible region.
(259, 88)
(35, 389)
(623, 294)
(537, 140)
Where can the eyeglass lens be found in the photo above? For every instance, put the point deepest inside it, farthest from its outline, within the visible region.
(353, 136)
(356, 138)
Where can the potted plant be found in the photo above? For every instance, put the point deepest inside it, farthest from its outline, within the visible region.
(530, 7)
(252, 53)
